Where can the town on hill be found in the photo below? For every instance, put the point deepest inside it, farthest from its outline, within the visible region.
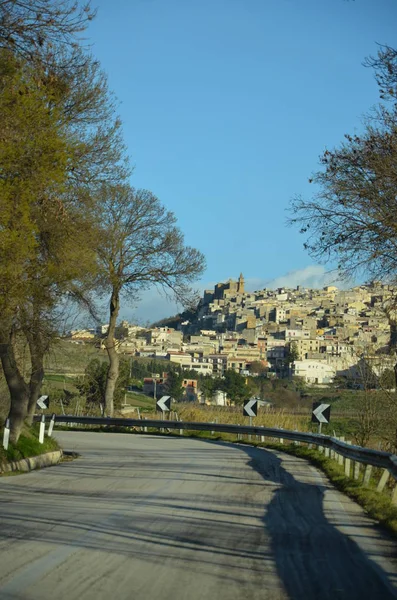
(318, 335)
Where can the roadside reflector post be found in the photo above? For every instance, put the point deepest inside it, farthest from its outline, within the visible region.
(42, 429)
(51, 426)
(6, 434)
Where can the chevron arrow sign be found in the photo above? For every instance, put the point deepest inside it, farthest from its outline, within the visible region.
(43, 402)
(164, 404)
(250, 408)
(321, 413)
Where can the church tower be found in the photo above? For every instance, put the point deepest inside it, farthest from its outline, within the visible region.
(240, 287)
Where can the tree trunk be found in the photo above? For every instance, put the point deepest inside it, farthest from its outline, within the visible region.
(17, 386)
(393, 336)
(110, 346)
(37, 374)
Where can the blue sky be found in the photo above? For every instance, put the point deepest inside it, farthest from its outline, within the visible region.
(226, 107)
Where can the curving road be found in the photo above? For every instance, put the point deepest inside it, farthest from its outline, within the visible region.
(147, 518)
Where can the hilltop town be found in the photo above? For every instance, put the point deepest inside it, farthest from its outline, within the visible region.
(313, 334)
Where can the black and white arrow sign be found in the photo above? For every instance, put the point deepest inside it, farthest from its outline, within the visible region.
(321, 413)
(250, 408)
(164, 404)
(43, 402)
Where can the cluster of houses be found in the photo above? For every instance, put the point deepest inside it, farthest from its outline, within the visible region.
(313, 334)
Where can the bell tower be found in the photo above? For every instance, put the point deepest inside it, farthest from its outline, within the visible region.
(240, 286)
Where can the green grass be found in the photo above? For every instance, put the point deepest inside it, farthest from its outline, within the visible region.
(140, 400)
(28, 445)
(59, 377)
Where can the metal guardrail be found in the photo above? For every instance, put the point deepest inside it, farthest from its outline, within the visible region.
(367, 456)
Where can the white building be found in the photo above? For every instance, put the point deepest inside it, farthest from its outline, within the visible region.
(313, 371)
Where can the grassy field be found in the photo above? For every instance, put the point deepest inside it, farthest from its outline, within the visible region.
(71, 359)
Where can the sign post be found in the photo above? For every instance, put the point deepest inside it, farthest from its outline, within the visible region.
(250, 409)
(321, 413)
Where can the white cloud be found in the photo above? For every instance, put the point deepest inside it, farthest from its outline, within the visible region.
(312, 276)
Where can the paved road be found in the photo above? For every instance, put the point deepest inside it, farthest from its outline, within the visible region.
(150, 518)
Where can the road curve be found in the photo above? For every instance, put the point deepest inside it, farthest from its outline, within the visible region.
(141, 517)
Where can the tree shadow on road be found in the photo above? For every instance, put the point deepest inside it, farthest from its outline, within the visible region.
(314, 559)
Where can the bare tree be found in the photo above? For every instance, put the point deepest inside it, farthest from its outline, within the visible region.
(139, 245)
(350, 219)
(39, 28)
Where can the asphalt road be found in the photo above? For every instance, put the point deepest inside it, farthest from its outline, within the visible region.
(150, 518)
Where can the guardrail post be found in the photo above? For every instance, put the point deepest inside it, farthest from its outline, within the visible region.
(145, 428)
(394, 495)
(332, 451)
(326, 452)
(6, 434)
(367, 474)
(383, 480)
(181, 430)
(356, 470)
(347, 464)
(296, 443)
(281, 440)
(340, 456)
(262, 439)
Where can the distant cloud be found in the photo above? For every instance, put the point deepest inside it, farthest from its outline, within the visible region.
(312, 276)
